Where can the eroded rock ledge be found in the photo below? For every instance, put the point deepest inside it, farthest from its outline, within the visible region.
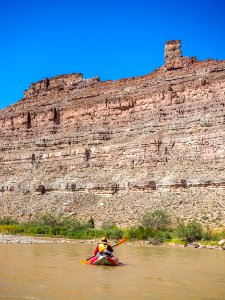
(115, 149)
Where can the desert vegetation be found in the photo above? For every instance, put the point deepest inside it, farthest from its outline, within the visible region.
(155, 227)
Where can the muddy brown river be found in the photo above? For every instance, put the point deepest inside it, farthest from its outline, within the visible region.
(55, 271)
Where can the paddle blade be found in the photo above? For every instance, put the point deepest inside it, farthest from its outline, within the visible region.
(84, 261)
(121, 242)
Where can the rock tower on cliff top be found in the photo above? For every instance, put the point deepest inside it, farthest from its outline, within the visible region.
(116, 149)
(172, 51)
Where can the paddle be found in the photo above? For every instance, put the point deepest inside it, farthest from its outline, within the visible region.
(117, 244)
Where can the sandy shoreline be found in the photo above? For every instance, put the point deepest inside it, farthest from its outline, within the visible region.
(19, 239)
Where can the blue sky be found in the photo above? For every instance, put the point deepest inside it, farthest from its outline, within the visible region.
(110, 39)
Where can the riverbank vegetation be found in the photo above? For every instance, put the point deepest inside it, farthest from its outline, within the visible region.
(155, 227)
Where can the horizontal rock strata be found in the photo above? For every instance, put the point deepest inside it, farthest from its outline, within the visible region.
(116, 149)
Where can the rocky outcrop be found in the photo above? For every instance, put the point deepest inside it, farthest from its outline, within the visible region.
(173, 56)
(116, 149)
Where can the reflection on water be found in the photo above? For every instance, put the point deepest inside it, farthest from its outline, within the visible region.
(54, 271)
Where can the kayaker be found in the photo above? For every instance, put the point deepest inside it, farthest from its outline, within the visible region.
(103, 248)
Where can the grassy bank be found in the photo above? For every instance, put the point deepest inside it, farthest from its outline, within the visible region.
(154, 227)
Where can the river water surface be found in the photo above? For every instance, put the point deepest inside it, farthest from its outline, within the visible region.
(55, 271)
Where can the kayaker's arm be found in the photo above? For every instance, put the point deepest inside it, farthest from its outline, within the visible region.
(109, 248)
(96, 250)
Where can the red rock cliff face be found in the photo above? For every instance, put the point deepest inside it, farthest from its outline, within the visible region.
(116, 149)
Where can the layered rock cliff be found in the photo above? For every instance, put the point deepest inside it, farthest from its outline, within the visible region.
(116, 149)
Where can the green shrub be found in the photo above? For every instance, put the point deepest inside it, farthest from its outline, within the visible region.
(77, 225)
(41, 229)
(90, 223)
(56, 230)
(190, 232)
(157, 220)
(114, 233)
(138, 233)
(91, 233)
(48, 219)
(11, 228)
(108, 224)
(176, 241)
(217, 234)
(164, 235)
(144, 233)
(207, 234)
(155, 225)
(8, 221)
